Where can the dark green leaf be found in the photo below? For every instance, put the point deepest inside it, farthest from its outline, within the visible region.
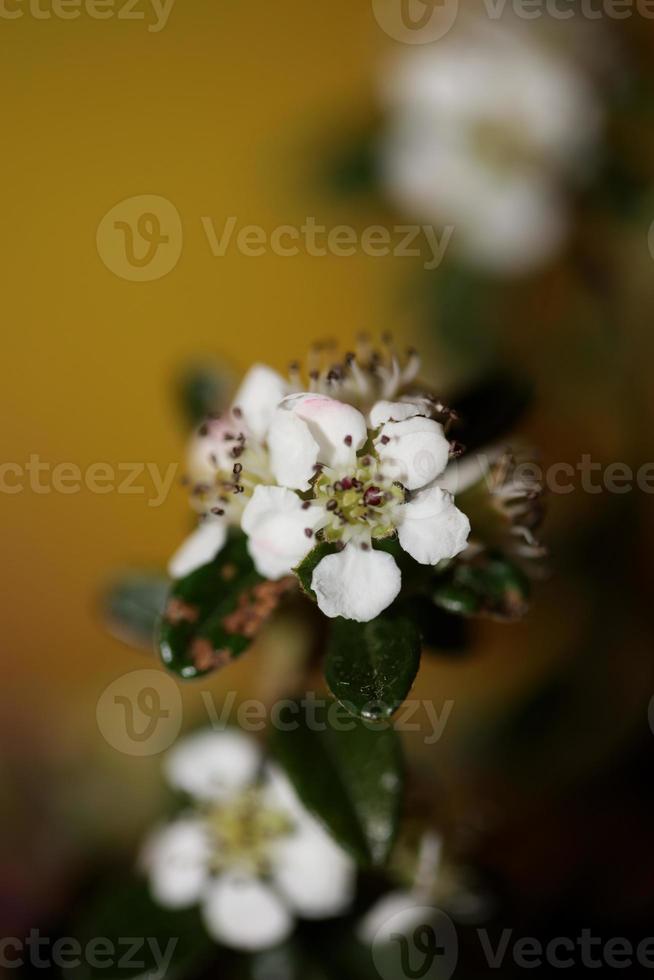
(371, 666)
(141, 936)
(201, 392)
(214, 613)
(441, 631)
(488, 585)
(133, 606)
(347, 772)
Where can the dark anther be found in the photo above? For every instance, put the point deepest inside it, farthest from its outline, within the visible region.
(348, 440)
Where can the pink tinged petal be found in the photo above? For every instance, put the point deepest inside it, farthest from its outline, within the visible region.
(414, 451)
(355, 583)
(176, 859)
(293, 450)
(244, 913)
(432, 527)
(384, 411)
(338, 428)
(212, 765)
(199, 548)
(280, 530)
(315, 876)
(258, 396)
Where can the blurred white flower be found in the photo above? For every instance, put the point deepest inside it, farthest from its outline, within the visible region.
(485, 126)
(247, 853)
(360, 480)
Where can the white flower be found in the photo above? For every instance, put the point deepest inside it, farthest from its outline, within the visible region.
(224, 454)
(485, 126)
(248, 853)
(351, 482)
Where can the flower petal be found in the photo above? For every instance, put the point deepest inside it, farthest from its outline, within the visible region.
(258, 396)
(209, 450)
(293, 450)
(315, 876)
(280, 530)
(212, 765)
(244, 913)
(355, 583)
(176, 859)
(414, 451)
(338, 428)
(199, 548)
(384, 411)
(432, 527)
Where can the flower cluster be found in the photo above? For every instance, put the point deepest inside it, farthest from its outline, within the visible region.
(484, 132)
(350, 460)
(246, 851)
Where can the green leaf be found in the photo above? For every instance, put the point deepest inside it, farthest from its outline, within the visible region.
(161, 937)
(133, 606)
(488, 585)
(201, 392)
(371, 666)
(305, 569)
(213, 615)
(347, 772)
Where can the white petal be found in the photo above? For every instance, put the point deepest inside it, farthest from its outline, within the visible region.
(212, 765)
(244, 913)
(314, 874)
(338, 428)
(356, 584)
(279, 794)
(199, 548)
(384, 411)
(432, 527)
(293, 450)
(380, 920)
(277, 524)
(258, 396)
(176, 859)
(414, 452)
(210, 452)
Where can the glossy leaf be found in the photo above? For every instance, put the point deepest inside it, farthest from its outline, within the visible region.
(133, 607)
(347, 772)
(371, 666)
(213, 615)
(489, 585)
